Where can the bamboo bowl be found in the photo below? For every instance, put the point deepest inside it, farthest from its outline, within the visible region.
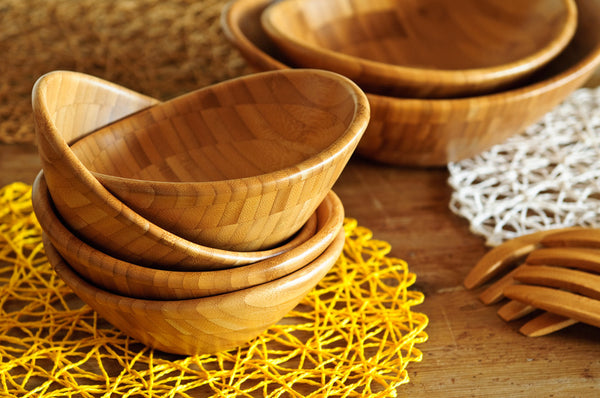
(202, 325)
(135, 281)
(433, 132)
(69, 105)
(423, 49)
(240, 165)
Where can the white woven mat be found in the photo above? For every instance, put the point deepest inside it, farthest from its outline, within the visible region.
(547, 177)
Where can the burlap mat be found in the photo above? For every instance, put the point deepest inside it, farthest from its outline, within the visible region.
(159, 48)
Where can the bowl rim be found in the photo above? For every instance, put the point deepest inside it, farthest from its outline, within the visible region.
(264, 60)
(190, 306)
(328, 220)
(390, 72)
(271, 180)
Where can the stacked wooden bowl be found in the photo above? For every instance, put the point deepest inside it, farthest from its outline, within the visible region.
(194, 224)
(445, 80)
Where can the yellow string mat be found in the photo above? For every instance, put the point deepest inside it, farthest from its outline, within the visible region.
(353, 335)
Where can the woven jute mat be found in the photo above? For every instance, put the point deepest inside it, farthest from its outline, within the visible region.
(159, 48)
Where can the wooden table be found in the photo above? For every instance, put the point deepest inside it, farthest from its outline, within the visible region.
(471, 351)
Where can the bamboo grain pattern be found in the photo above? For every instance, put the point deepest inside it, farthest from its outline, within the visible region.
(132, 280)
(557, 271)
(240, 165)
(203, 325)
(423, 49)
(433, 132)
(69, 105)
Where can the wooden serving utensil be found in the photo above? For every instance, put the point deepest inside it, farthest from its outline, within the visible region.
(557, 271)
(504, 256)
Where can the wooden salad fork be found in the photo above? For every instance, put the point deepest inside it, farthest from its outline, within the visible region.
(556, 271)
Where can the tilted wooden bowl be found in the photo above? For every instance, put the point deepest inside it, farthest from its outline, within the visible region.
(202, 325)
(434, 132)
(132, 280)
(239, 165)
(69, 105)
(423, 49)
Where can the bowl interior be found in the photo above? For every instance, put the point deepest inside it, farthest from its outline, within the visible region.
(242, 25)
(241, 128)
(429, 34)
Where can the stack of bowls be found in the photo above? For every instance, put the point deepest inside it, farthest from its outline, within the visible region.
(194, 224)
(445, 80)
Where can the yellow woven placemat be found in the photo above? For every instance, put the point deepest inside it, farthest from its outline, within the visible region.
(354, 335)
(158, 48)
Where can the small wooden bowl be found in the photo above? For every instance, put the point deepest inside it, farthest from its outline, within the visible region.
(434, 132)
(135, 281)
(240, 165)
(423, 49)
(69, 105)
(202, 325)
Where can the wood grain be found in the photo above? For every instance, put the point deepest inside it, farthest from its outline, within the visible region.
(203, 325)
(425, 132)
(69, 105)
(135, 281)
(423, 49)
(239, 165)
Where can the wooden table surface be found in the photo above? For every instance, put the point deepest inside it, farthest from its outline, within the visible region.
(471, 351)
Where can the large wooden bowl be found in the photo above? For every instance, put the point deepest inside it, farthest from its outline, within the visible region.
(423, 48)
(132, 280)
(434, 132)
(240, 165)
(69, 105)
(203, 325)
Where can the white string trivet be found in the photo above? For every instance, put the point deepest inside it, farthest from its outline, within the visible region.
(547, 177)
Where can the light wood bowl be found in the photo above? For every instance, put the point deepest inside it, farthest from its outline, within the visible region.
(135, 281)
(423, 49)
(240, 165)
(202, 325)
(69, 105)
(421, 132)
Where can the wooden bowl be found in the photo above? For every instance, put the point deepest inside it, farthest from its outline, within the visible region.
(240, 165)
(433, 132)
(132, 280)
(423, 49)
(69, 105)
(202, 325)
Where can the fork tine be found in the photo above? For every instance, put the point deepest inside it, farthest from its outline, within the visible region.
(576, 237)
(494, 292)
(570, 257)
(514, 310)
(567, 304)
(546, 323)
(563, 278)
(502, 257)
